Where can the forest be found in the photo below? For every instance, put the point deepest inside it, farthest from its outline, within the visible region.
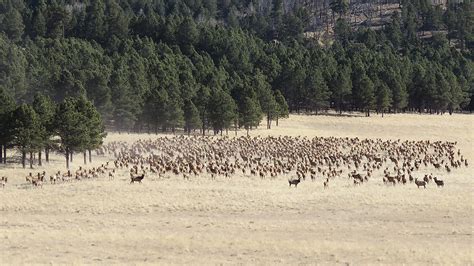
(163, 65)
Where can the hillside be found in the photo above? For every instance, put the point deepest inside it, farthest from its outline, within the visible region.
(161, 65)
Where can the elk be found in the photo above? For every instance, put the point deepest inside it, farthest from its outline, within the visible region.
(420, 183)
(137, 178)
(3, 181)
(439, 183)
(294, 182)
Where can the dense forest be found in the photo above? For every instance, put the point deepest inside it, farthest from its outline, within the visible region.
(152, 65)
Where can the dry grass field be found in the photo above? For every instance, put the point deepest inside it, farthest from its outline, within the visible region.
(249, 221)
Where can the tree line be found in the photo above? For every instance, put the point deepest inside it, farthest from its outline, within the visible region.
(202, 65)
(72, 126)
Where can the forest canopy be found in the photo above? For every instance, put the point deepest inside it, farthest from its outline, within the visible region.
(206, 64)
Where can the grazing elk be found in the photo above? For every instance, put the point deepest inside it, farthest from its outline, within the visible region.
(294, 182)
(3, 181)
(420, 183)
(439, 183)
(137, 178)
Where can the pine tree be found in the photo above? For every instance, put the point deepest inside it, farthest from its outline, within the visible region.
(57, 20)
(12, 24)
(39, 20)
(341, 86)
(202, 103)
(339, 6)
(250, 115)
(282, 106)
(188, 34)
(26, 132)
(174, 115)
(343, 31)
(71, 126)
(319, 93)
(126, 109)
(232, 19)
(115, 21)
(366, 95)
(68, 86)
(393, 31)
(94, 124)
(156, 108)
(222, 110)
(192, 119)
(95, 28)
(6, 122)
(265, 96)
(383, 98)
(45, 109)
(13, 64)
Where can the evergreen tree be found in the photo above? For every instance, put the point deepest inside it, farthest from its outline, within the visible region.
(71, 126)
(95, 127)
(45, 109)
(250, 115)
(12, 23)
(202, 103)
(95, 28)
(115, 21)
(339, 6)
(126, 109)
(341, 87)
(6, 122)
(319, 93)
(188, 33)
(39, 20)
(192, 120)
(13, 66)
(343, 31)
(393, 31)
(265, 96)
(26, 131)
(174, 115)
(222, 110)
(282, 106)
(383, 97)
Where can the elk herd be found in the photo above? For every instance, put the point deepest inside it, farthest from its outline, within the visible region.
(318, 159)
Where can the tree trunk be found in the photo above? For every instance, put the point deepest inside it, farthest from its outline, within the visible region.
(46, 152)
(277, 121)
(4, 154)
(67, 158)
(1, 153)
(23, 159)
(85, 157)
(90, 156)
(40, 163)
(31, 160)
(71, 155)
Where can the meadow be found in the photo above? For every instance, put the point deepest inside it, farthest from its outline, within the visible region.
(244, 219)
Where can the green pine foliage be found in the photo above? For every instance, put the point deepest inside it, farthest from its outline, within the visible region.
(27, 131)
(167, 65)
(6, 122)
